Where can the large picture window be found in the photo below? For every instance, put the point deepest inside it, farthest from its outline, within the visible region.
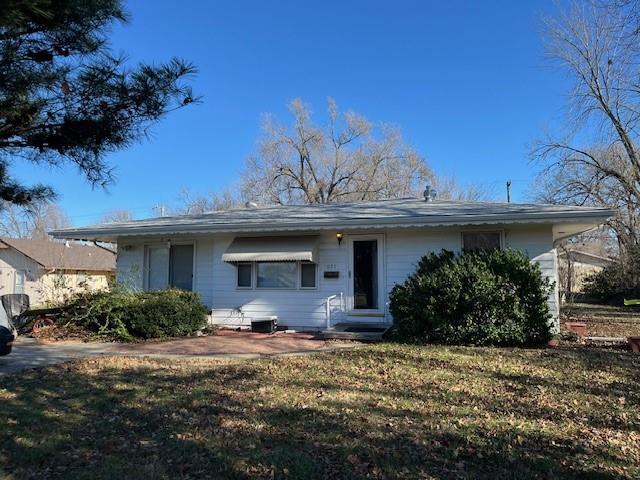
(478, 241)
(276, 274)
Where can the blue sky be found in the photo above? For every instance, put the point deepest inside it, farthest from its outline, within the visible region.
(466, 81)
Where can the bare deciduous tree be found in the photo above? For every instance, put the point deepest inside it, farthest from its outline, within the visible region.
(117, 216)
(190, 203)
(450, 188)
(348, 159)
(35, 222)
(597, 161)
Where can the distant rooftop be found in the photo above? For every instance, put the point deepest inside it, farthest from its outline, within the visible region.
(56, 255)
(384, 213)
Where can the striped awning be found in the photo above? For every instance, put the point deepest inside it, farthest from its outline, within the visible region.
(272, 249)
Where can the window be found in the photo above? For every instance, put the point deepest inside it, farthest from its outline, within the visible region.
(476, 241)
(19, 279)
(276, 274)
(244, 275)
(170, 267)
(307, 275)
(81, 279)
(181, 267)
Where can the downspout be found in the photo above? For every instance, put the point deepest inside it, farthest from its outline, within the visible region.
(95, 242)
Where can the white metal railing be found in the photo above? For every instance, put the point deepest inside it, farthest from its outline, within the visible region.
(329, 309)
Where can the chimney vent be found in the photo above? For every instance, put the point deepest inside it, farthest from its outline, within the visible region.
(429, 194)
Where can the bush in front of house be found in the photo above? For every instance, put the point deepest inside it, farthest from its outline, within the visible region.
(126, 315)
(483, 298)
(169, 313)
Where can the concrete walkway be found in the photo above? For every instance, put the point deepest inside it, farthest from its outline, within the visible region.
(29, 353)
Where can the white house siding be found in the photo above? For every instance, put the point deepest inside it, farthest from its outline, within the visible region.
(215, 280)
(294, 308)
(11, 261)
(45, 286)
(405, 248)
(204, 268)
(537, 243)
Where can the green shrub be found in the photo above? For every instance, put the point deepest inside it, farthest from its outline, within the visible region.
(618, 281)
(484, 298)
(126, 315)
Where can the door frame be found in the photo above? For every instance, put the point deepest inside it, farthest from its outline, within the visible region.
(168, 244)
(380, 237)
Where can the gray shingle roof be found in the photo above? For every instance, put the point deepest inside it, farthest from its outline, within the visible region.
(383, 213)
(60, 256)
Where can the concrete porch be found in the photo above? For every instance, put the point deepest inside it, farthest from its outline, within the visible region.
(362, 331)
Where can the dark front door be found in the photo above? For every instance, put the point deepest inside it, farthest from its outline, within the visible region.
(365, 274)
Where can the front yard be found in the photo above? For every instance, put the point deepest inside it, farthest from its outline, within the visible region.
(383, 411)
(603, 320)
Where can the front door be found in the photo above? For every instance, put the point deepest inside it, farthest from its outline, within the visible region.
(366, 279)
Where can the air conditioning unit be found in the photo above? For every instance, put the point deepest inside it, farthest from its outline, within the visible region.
(264, 324)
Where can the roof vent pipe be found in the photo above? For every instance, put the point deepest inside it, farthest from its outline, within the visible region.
(429, 194)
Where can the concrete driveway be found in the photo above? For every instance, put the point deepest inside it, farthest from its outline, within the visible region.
(30, 353)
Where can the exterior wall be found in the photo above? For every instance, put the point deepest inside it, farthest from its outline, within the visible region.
(215, 280)
(294, 308)
(57, 286)
(44, 286)
(537, 243)
(11, 261)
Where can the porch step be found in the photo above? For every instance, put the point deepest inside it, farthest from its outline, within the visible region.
(368, 332)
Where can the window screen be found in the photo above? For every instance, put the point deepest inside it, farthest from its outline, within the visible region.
(276, 274)
(158, 268)
(244, 275)
(181, 267)
(307, 275)
(19, 281)
(476, 241)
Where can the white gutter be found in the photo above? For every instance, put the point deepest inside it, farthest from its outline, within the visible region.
(340, 224)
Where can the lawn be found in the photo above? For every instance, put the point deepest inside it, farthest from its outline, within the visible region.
(383, 411)
(604, 320)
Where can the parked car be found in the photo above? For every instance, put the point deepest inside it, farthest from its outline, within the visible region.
(7, 336)
(13, 305)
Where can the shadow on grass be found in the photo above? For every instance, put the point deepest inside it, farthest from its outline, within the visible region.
(348, 415)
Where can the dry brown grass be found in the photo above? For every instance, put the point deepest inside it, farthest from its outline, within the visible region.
(384, 411)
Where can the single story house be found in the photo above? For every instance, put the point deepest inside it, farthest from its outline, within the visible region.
(48, 271)
(315, 265)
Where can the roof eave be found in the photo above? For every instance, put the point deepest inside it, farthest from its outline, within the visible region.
(110, 234)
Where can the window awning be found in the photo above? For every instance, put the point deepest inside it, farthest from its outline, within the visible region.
(272, 249)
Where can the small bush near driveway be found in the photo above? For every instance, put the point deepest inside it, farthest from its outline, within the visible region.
(483, 298)
(126, 315)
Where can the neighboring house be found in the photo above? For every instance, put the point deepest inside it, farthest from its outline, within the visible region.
(311, 265)
(49, 271)
(576, 265)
